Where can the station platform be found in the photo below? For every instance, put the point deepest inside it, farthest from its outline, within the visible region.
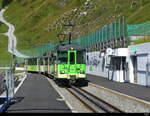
(36, 95)
(134, 90)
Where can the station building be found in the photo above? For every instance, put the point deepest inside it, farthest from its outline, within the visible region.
(131, 64)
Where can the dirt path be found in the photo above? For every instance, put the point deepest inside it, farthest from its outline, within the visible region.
(12, 43)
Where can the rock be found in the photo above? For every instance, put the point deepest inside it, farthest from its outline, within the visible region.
(83, 13)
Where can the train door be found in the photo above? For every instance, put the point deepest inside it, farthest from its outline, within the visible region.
(72, 62)
(51, 68)
(48, 65)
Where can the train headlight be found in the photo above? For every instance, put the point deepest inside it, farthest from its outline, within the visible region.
(62, 72)
(82, 72)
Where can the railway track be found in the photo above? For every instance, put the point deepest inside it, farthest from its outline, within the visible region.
(92, 102)
(125, 96)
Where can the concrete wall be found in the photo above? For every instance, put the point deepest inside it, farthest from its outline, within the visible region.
(142, 52)
(97, 63)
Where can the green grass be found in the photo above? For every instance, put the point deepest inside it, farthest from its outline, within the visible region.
(31, 20)
(5, 57)
(140, 41)
(135, 15)
(3, 28)
(141, 15)
(33, 17)
(0, 4)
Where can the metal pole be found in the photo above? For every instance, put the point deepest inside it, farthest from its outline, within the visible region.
(48, 65)
(70, 36)
(7, 85)
(70, 33)
(11, 76)
(124, 36)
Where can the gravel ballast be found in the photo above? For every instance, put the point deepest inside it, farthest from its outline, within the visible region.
(75, 105)
(126, 105)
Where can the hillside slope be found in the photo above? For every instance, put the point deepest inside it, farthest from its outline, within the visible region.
(5, 56)
(39, 21)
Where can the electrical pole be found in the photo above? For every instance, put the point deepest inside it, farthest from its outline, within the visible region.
(70, 24)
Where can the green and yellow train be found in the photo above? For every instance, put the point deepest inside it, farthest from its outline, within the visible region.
(65, 63)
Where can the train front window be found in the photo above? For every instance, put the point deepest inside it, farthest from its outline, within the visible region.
(72, 58)
(32, 62)
(62, 58)
(80, 57)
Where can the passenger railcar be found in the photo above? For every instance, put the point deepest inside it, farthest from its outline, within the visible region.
(66, 64)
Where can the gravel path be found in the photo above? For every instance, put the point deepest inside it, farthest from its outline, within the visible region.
(12, 38)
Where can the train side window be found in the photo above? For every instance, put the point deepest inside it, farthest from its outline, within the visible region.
(32, 62)
(81, 57)
(63, 58)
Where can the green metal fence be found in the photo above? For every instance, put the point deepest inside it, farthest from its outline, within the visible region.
(110, 34)
(107, 33)
(139, 29)
(39, 51)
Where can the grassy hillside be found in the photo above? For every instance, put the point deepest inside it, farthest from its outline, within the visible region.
(140, 41)
(0, 4)
(39, 21)
(3, 28)
(5, 57)
(33, 17)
